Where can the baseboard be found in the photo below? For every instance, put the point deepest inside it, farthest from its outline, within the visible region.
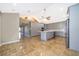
(10, 42)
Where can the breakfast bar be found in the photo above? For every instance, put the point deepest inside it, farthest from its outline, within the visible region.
(48, 34)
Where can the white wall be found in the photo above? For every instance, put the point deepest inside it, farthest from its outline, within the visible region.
(35, 28)
(10, 27)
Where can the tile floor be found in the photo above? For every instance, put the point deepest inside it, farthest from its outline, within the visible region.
(35, 47)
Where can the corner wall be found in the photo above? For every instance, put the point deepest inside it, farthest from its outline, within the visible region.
(10, 28)
(0, 28)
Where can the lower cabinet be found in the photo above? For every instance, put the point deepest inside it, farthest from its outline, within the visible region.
(46, 35)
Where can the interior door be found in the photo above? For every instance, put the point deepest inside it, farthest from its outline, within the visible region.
(74, 27)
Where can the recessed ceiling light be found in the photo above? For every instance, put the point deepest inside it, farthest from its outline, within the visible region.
(61, 9)
(14, 4)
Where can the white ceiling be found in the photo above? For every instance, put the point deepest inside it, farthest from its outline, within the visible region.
(23, 7)
(29, 8)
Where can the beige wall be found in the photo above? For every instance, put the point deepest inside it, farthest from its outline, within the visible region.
(10, 27)
(0, 28)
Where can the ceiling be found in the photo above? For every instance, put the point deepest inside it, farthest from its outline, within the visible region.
(29, 8)
(23, 7)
